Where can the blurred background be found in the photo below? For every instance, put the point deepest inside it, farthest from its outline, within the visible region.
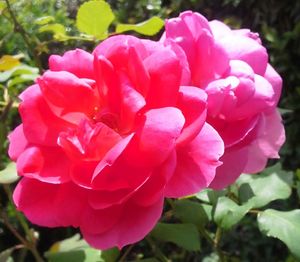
(277, 22)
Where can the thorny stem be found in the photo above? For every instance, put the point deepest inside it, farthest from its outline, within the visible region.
(20, 29)
(31, 244)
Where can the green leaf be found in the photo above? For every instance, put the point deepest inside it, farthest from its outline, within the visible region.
(191, 212)
(9, 174)
(298, 188)
(5, 256)
(81, 255)
(213, 257)
(44, 20)
(282, 225)
(94, 18)
(8, 62)
(110, 255)
(210, 196)
(22, 69)
(2, 7)
(77, 250)
(152, 259)
(22, 79)
(228, 213)
(149, 27)
(54, 28)
(208, 211)
(259, 190)
(183, 235)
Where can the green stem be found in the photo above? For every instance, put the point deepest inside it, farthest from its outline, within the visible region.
(170, 202)
(31, 244)
(254, 211)
(157, 251)
(6, 109)
(206, 235)
(20, 29)
(216, 244)
(123, 257)
(13, 230)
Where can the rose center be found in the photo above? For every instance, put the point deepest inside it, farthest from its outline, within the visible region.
(108, 118)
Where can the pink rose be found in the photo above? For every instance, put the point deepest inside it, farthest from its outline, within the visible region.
(105, 137)
(243, 91)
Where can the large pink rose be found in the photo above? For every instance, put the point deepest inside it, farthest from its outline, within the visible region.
(243, 90)
(106, 137)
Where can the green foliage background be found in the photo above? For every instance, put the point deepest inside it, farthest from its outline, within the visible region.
(212, 226)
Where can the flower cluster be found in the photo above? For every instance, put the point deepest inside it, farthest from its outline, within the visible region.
(105, 137)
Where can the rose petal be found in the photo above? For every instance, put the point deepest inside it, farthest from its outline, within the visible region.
(50, 205)
(108, 83)
(263, 99)
(17, 142)
(165, 76)
(77, 62)
(270, 137)
(132, 103)
(154, 187)
(46, 164)
(136, 222)
(219, 29)
(40, 125)
(196, 164)
(57, 86)
(97, 221)
(192, 103)
(233, 132)
(101, 199)
(234, 161)
(275, 80)
(156, 139)
(246, 49)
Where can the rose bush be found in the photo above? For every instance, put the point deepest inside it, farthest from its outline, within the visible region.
(105, 137)
(243, 90)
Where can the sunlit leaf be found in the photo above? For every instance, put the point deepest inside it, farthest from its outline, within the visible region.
(149, 27)
(54, 28)
(94, 18)
(8, 62)
(298, 188)
(282, 225)
(191, 212)
(5, 256)
(152, 259)
(2, 7)
(18, 70)
(9, 174)
(76, 249)
(44, 20)
(259, 190)
(212, 257)
(228, 213)
(183, 235)
(210, 196)
(22, 79)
